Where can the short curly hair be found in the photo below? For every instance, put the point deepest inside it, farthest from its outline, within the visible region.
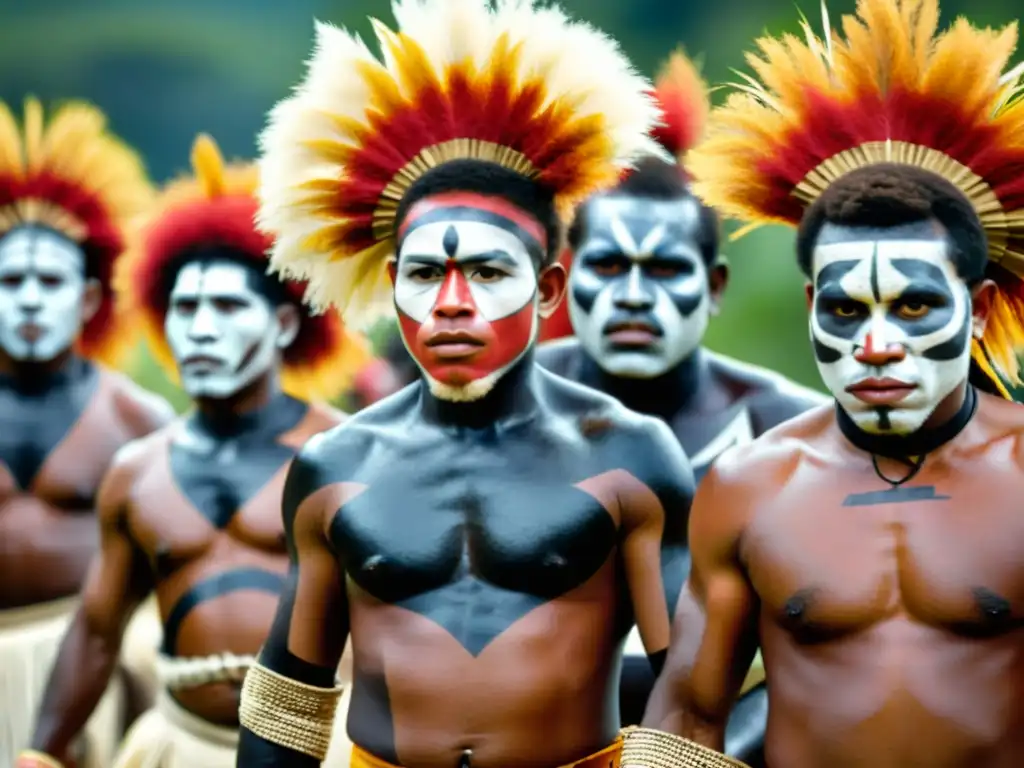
(892, 195)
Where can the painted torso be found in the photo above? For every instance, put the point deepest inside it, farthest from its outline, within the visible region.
(910, 602)
(56, 442)
(486, 593)
(205, 510)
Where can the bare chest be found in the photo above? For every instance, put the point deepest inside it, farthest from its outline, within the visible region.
(836, 552)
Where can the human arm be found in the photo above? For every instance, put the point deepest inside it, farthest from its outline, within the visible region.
(118, 580)
(304, 647)
(714, 632)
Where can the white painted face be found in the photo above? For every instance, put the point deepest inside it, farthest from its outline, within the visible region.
(42, 291)
(891, 327)
(639, 297)
(223, 333)
(466, 295)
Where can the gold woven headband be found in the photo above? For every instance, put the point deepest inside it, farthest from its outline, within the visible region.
(998, 224)
(34, 211)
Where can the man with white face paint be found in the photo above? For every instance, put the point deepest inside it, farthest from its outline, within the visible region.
(646, 279)
(190, 515)
(488, 534)
(874, 549)
(68, 190)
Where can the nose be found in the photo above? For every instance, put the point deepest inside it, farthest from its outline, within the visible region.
(633, 294)
(877, 351)
(204, 325)
(30, 297)
(454, 299)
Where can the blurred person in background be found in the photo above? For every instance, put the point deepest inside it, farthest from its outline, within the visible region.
(68, 190)
(646, 278)
(385, 375)
(874, 549)
(192, 512)
(489, 534)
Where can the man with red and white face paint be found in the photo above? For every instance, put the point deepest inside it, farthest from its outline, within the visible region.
(466, 290)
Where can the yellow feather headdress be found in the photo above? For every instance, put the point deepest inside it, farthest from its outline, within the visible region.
(891, 89)
(216, 207)
(504, 82)
(75, 177)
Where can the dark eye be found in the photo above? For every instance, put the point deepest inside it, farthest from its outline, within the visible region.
(426, 274)
(666, 269)
(609, 266)
(11, 281)
(845, 309)
(227, 306)
(51, 281)
(912, 310)
(185, 306)
(488, 274)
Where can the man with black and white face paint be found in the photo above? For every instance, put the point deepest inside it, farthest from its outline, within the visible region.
(646, 279)
(201, 496)
(68, 190)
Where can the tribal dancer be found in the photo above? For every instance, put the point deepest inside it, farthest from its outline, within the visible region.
(646, 278)
(875, 549)
(488, 534)
(192, 512)
(67, 192)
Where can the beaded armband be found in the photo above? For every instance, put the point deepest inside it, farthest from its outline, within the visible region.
(650, 748)
(30, 758)
(286, 712)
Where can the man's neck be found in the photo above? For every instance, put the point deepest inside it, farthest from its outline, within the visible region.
(663, 396)
(513, 399)
(916, 444)
(251, 409)
(39, 377)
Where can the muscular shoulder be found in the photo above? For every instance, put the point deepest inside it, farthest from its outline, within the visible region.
(770, 396)
(559, 356)
(1001, 422)
(130, 460)
(140, 410)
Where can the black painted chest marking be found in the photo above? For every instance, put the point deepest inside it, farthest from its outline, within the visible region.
(33, 422)
(219, 469)
(473, 557)
(898, 495)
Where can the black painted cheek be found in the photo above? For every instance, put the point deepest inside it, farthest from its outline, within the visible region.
(586, 286)
(954, 348)
(824, 353)
(685, 303)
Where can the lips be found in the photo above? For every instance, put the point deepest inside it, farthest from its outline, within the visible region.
(632, 334)
(31, 332)
(454, 344)
(885, 391)
(202, 361)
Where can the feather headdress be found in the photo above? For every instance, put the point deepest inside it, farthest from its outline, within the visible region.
(74, 177)
(891, 90)
(217, 207)
(505, 82)
(682, 94)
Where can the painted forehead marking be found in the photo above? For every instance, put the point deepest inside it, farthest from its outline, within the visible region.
(222, 279)
(462, 241)
(934, 251)
(31, 246)
(637, 227)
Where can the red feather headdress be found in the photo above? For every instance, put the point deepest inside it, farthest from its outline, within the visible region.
(504, 82)
(683, 97)
(891, 90)
(218, 207)
(76, 178)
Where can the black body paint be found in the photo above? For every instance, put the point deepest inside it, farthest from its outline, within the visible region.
(497, 528)
(219, 466)
(38, 415)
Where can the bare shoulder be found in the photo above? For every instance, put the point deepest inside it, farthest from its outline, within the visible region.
(1001, 423)
(128, 463)
(140, 410)
(558, 356)
(771, 397)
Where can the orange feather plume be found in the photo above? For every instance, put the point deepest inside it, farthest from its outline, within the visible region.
(683, 97)
(217, 206)
(890, 89)
(504, 81)
(73, 176)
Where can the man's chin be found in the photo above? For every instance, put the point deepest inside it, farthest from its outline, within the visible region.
(456, 391)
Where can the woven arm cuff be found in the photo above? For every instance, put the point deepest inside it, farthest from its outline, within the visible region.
(650, 748)
(30, 758)
(288, 713)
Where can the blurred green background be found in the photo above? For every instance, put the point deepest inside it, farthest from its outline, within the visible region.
(165, 69)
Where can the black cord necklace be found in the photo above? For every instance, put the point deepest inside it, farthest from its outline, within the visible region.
(912, 449)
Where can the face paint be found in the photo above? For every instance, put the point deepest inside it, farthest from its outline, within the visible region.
(223, 333)
(891, 329)
(42, 286)
(466, 292)
(638, 292)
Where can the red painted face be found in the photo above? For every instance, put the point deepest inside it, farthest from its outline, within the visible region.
(466, 286)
